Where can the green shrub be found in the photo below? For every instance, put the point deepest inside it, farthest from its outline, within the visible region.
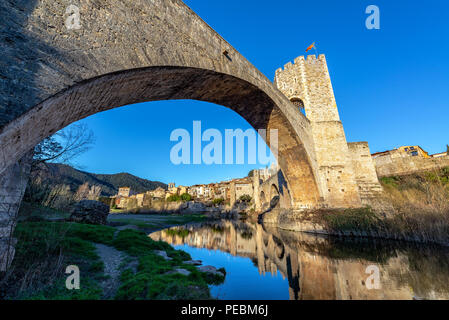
(44, 248)
(218, 201)
(390, 181)
(186, 197)
(174, 198)
(245, 198)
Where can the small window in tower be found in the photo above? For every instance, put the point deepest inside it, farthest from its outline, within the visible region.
(299, 104)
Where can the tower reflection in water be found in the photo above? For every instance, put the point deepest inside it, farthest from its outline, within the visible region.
(322, 267)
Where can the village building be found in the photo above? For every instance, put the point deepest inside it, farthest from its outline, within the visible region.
(197, 191)
(143, 199)
(159, 193)
(221, 191)
(404, 151)
(243, 187)
(125, 192)
(182, 190)
(439, 155)
(407, 160)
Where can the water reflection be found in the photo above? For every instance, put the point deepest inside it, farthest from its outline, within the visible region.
(319, 267)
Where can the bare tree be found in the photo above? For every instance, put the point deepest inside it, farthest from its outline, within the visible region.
(64, 145)
(82, 193)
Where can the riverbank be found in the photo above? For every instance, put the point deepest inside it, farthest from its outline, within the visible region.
(419, 213)
(116, 262)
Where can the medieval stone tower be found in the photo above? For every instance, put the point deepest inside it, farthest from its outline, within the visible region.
(308, 85)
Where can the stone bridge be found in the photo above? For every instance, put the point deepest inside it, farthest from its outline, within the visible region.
(126, 52)
(273, 192)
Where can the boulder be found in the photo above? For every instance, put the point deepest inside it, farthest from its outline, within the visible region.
(184, 272)
(194, 262)
(163, 254)
(90, 211)
(211, 270)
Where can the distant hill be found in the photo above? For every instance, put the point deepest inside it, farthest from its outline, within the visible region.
(56, 173)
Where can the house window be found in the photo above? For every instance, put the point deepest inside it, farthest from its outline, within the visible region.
(414, 153)
(406, 149)
(412, 148)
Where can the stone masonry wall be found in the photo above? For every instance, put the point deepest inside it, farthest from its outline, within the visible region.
(364, 171)
(394, 163)
(13, 181)
(309, 80)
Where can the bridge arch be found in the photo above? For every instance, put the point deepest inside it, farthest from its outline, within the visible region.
(169, 54)
(263, 199)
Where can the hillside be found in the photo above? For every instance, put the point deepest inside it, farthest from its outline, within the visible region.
(55, 173)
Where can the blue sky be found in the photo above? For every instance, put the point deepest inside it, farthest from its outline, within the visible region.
(391, 85)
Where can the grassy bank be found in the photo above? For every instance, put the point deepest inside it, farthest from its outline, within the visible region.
(45, 249)
(420, 210)
(151, 222)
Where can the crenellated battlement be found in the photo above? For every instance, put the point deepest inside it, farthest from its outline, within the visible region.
(301, 60)
(307, 79)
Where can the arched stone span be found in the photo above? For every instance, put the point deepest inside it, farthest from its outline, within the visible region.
(133, 52)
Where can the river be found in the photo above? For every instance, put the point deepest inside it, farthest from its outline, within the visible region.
(264, 262)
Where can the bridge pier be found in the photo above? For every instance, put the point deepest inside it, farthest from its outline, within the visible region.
(232, 199)
(13, 182)
(256, 190)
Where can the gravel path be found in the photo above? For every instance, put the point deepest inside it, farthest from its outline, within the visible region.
(112, 259)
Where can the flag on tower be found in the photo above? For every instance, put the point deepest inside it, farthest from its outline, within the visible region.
(311, 47)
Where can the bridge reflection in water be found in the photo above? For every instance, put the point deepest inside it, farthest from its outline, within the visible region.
(321, 267)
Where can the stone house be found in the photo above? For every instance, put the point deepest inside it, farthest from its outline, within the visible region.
(221, 190)
(404, 151)
(125, 192)
(182, 190)
(143, 199)
(159, 193)
(407, 160)
(243, 187)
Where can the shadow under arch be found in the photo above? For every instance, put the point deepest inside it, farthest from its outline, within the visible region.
(165, 83)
